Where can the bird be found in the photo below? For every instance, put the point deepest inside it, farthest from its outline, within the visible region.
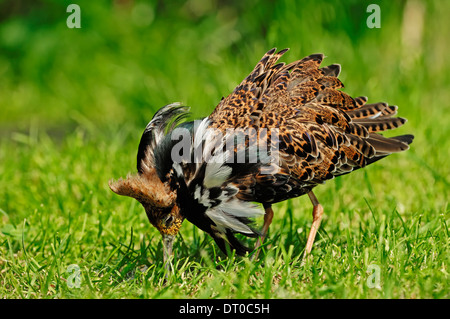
(285, 129)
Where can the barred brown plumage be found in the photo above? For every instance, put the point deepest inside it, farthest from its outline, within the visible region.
(312, 132)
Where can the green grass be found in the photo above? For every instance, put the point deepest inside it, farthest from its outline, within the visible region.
(74, 103)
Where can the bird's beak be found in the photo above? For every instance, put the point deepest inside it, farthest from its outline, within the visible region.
(167, 246)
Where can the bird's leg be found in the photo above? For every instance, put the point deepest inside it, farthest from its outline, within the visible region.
(317, 218)
(267, 221)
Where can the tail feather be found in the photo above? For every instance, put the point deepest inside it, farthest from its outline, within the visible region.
(389, 111)
(331, 70)
(367, 111)
(407, 138)
(384, 145)
(381, 124)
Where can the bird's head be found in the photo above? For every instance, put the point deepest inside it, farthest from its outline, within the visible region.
(150, 185)
(159, 202)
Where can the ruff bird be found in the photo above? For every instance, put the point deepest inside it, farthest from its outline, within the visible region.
(284, 130)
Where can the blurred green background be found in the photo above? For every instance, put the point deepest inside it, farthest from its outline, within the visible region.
(74, 102)
(131, 57)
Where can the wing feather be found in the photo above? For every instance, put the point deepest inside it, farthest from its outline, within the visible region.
(323, 132)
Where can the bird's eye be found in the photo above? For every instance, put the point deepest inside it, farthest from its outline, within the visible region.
(168, 220)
